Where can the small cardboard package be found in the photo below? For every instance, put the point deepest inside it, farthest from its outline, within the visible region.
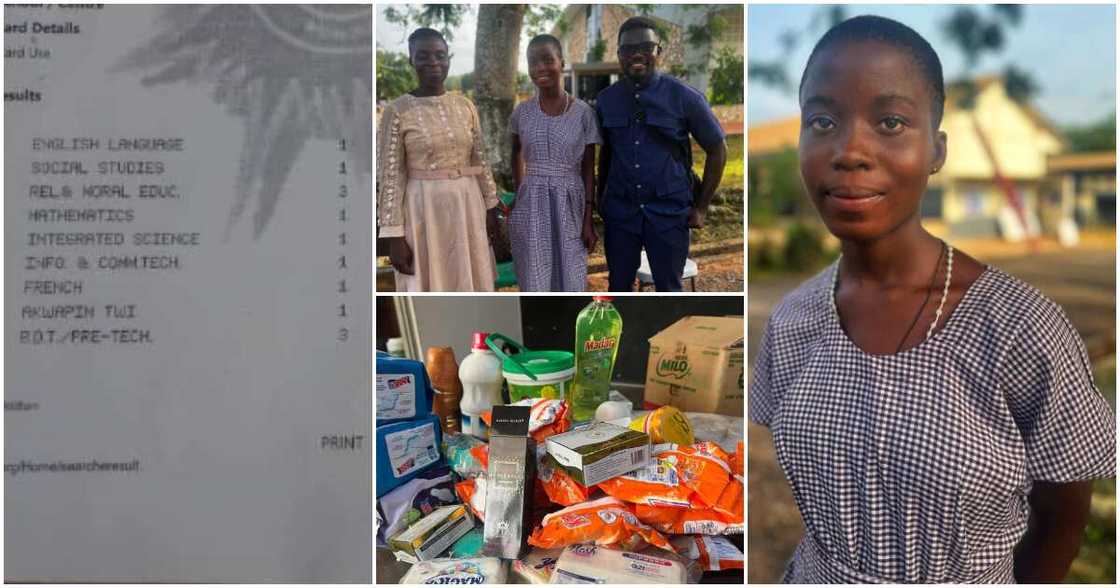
(434, 534)
(599, 452)
(696, 365)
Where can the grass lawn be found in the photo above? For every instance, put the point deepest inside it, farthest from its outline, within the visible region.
(733, 172)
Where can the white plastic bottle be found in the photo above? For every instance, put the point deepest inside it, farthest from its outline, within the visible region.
(481, 375)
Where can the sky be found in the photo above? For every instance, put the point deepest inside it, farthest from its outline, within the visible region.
(1069, 50)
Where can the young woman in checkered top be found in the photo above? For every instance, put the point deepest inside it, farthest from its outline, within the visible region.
(936, 418)
(554, 138)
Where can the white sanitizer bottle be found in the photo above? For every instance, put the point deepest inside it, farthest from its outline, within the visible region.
(481, 375)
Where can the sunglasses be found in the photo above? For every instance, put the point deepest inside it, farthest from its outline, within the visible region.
(647, 48)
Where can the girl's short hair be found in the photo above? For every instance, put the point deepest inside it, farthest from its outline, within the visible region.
(547, 40)
(424, 33)
(896, 34)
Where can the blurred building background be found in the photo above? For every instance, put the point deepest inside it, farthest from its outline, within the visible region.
(697, 40)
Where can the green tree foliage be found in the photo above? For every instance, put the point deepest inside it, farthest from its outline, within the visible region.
(394, 75)
(540, 18)
(524, 84)
(599, 50)
(804, 247)
(1098, 136)
(976, 34)
(774, 185)
(713, 28)
(443, 17)
(726, 85)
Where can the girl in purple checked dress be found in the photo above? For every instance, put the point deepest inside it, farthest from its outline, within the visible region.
(554, 137)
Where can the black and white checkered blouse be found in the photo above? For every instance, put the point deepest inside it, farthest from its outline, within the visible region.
(915, 467)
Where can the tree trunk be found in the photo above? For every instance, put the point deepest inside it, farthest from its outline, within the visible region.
(496, 45)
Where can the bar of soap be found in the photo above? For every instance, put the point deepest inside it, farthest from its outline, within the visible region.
(537, 566)
(472, 570)
(592, 564)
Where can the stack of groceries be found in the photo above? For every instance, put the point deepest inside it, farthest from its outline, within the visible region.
(563, 482)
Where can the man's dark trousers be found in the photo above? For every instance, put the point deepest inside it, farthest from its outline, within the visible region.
(666, 250)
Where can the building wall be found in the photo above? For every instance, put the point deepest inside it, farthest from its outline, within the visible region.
(973, 207)
(1020, 145)
(576, 43)
(575, 38)
(1088, 188)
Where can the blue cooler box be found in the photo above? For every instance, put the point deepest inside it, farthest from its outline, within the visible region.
(403, 390)
(404, 450)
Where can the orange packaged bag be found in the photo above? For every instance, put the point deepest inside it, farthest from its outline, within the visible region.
(558, 484)
(547, 417)
(737, 460)
(730, 503)
(607, 521)
(482, 454)
(686, 521)
(472, 492)
(657, 484)
(712, 553)
(702, 467)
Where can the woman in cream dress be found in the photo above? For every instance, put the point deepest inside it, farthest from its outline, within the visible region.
(436, 196)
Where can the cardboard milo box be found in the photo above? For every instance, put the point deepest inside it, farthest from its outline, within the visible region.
(696, 364)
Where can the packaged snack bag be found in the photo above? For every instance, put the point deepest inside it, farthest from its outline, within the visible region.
(730, 503)
(657, 484)
(547, 417)
(457, 449)
(686, 521)
(713, 553)
(482, 454)
(472, 492)
(558, 485)
(607, 521)
(702, 468)
(737, 460)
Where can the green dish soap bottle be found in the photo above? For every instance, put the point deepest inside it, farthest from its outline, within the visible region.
(598, 331)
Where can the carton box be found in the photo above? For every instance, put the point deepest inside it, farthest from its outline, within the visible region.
(510, 473)
(696, 364)
(434, 534)
(600, 452)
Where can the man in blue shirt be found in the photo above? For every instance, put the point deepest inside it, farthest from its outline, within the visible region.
(645, 178)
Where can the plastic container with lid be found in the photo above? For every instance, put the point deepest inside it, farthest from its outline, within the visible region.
(534, 374)
(481, 375)
(395, 346)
